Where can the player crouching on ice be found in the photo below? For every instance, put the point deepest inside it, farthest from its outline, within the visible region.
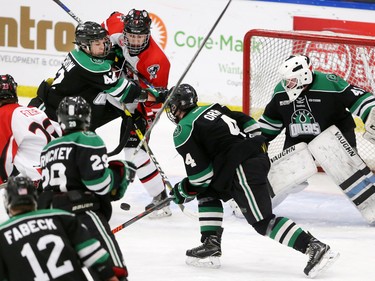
(316, 110)
(225, 158)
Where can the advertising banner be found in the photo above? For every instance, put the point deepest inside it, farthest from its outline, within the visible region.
(36, 35)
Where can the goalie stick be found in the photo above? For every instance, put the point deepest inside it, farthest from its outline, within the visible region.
(143, 214)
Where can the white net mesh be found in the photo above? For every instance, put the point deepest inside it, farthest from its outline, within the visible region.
(352, 58)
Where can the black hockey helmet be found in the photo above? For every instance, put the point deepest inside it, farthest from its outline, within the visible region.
(184, 99)
(74, 114)
(88, 32)
(137, 24)
(8, 89)
(20, 191)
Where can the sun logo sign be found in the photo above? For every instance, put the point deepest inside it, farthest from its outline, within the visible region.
(159, 30)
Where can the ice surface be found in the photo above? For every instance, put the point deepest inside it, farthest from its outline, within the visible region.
(154, 250)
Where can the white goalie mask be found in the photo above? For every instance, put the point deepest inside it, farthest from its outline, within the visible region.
(296, 72)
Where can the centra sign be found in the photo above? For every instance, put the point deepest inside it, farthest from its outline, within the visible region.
(28, 33)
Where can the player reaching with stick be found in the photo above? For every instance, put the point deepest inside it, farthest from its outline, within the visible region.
(146, 63)
(87, 72)
(225, 157)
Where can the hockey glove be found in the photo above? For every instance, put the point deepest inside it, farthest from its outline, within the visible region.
(180, 193)
(43, 89)
(131, 170)
(160, 94)
(132, 93)
(123, 173)
(252, 129)
(140, 121)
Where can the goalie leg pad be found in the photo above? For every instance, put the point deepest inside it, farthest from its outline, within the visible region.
(289, 171)
(342, 163)
(360, 188)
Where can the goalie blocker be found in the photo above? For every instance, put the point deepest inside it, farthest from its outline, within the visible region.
(348, 171)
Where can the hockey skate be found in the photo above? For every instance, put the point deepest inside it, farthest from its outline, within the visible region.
(207, 254)
(160, 213)
(320, 258)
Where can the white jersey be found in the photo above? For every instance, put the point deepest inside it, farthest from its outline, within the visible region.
(24, 133)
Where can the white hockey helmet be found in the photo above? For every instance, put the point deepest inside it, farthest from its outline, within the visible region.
(296, 72)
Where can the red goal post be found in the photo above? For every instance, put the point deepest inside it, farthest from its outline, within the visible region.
(349, 56)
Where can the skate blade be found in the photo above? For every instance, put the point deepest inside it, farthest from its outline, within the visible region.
(163, 213)
(209, 262)
(327, 260)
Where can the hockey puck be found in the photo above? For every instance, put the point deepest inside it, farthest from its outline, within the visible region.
(125, 206)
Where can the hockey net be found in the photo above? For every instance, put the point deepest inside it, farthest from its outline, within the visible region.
(350, 57)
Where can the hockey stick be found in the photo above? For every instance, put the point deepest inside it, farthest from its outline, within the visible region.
(165, 180)
(139, 75)
(143, 214)
(66, 9)
(77, 19)
(158, 114)
(123, 140)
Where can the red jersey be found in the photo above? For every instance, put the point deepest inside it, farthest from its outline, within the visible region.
(152, 63)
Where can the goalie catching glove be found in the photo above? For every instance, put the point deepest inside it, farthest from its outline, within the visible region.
(123, 173)
(180, 192)
(369, 133)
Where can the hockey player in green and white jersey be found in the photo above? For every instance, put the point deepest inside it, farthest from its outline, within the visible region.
(46, 244)
(225, 158)
(76, 176)
(306, 102)
(87, 71)
(316, 109)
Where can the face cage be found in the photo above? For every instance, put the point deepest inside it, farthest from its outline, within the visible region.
(171, 114)
(290, 83)
(136, 49)
(293, 87)
(9, 91)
